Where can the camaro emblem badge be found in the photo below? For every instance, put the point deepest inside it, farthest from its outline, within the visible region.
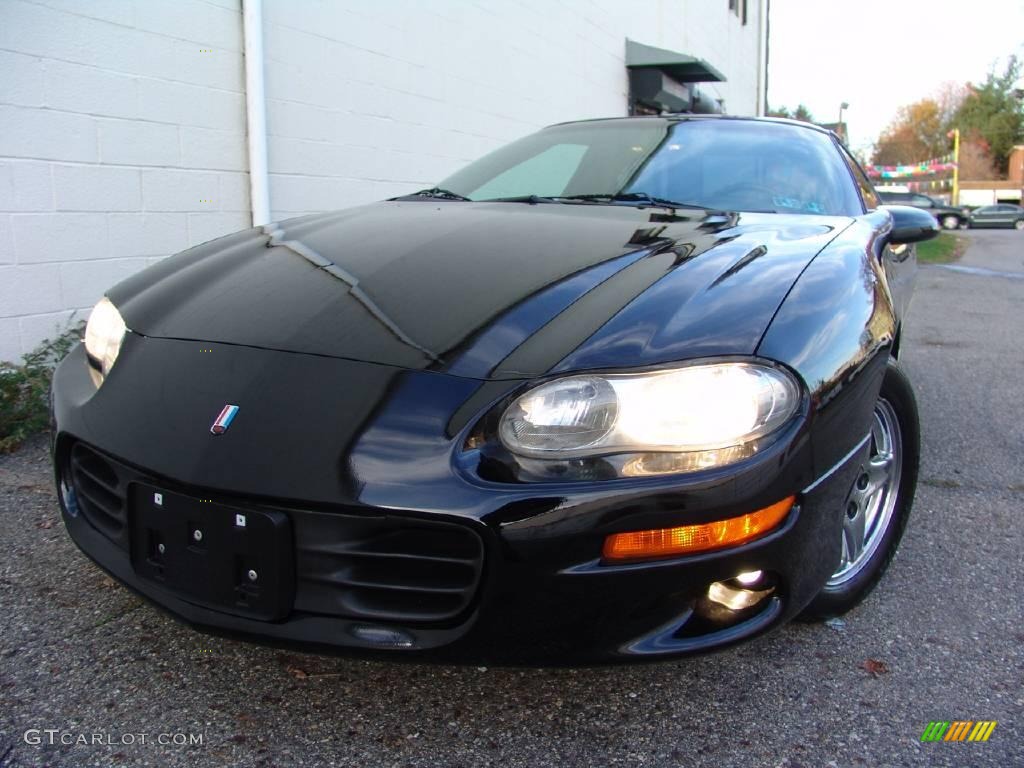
(220, 426)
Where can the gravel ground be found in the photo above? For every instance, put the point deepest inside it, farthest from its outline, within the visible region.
(940, 640)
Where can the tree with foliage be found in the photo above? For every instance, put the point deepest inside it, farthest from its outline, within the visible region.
(949, 96)
(800, 113)
(993, 112)
(990, 117)
(975, 159)
(918, 133)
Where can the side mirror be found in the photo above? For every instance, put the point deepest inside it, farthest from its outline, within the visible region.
(910, 225)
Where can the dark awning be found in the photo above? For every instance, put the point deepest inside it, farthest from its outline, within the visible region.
(678, 66)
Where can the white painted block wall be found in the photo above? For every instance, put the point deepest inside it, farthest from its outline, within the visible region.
(368, 100)
(122, 140)
(122, 122)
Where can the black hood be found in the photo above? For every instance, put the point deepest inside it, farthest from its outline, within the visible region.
(485, 290)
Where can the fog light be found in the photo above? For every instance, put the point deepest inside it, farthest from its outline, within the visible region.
(749, 577)
(736, 597)
(385, 637)
(68, 496)
(704, 537)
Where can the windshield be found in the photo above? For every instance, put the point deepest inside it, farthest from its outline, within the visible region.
(713, 163)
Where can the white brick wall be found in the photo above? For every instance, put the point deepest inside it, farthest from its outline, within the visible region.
(122, 122)
(374, 99)
(121, 140)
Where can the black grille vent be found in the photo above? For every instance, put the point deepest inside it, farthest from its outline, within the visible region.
(385, 568)
(373, 565)
(100, 492)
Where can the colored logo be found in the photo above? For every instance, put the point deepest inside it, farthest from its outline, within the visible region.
(220, 426)
(958, 730)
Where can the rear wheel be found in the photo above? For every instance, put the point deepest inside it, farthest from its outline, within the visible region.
(878, 505)
(1018, 224)
(950, 221)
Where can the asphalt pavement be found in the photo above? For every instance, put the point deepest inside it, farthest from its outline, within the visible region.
(83, 660)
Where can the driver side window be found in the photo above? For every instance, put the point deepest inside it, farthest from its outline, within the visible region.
(867, 192)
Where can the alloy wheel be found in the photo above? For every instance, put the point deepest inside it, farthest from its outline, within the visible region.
(872, 500)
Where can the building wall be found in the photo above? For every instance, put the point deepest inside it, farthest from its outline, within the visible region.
(122, 124)
(976, 193)
(122, 140)
(1016, 166)
(370, 100)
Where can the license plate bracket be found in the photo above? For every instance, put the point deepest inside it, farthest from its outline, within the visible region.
(232, 559)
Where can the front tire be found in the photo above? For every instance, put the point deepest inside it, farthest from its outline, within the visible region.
(1018, 224)
(950, 222)
(878, 505)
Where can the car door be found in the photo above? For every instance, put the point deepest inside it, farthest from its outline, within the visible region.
(999, 216)
(1007, 215)
(985, 216)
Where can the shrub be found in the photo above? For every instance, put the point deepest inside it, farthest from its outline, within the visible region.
(25, 388)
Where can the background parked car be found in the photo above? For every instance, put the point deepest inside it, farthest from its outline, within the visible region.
(1002, 215)
(947, 216)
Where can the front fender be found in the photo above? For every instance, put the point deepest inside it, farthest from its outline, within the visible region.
(836, 329)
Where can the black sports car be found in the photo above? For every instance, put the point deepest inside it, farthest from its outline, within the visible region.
(948, 216)
(622, 389)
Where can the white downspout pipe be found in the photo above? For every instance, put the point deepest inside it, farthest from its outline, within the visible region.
(764, 10)
(256, 111)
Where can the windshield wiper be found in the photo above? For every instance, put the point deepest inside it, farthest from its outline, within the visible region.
(618, 197)
(437, 192)
(634, 197)
(531, 199)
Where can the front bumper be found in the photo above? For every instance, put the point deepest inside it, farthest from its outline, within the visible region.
(538, 593)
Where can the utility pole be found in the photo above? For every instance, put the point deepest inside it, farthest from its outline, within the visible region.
(956, 167)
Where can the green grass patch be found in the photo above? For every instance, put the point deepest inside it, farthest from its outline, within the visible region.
(945, 248)
(25, 389)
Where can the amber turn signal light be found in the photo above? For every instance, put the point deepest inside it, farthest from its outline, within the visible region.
(690, 539)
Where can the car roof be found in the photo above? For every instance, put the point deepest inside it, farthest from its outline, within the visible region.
(683, 117)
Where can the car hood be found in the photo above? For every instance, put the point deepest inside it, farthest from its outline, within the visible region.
(485, 290)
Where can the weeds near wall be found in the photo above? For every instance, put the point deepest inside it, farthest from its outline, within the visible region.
(25, 388)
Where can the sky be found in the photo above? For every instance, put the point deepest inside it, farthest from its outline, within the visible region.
(879, 55)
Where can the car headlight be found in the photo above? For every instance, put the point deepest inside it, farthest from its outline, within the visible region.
(103, 336)
(675, 420)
